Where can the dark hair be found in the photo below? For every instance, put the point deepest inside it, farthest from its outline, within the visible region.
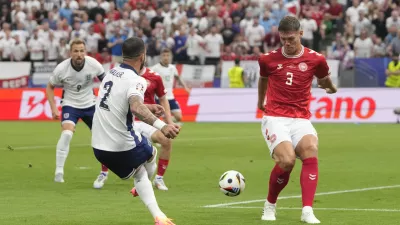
(237, 61)
(132, 47)
(288, 24)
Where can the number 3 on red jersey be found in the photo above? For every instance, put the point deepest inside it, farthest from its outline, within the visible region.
(289, 78)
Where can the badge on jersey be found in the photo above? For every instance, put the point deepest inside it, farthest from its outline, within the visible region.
(303, 67)
(140, 87)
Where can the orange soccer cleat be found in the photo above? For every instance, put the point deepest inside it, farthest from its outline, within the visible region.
(134, 192)
(163, 221)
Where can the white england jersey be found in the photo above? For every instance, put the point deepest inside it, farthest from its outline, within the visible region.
(77, 85)
(168, 76)
(112, 128)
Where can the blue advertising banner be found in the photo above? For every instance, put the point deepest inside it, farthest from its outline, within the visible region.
(370, 72)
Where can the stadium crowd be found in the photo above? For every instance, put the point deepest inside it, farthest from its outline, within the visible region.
(198, 31)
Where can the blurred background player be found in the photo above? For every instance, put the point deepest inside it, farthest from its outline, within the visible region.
(286, 79)
(116, 144)
(168, 74)
(75, 75)
(155, 87)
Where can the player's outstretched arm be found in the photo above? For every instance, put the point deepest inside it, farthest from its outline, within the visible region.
(142, 112)
(50, 98)
(262, 89)
(326, 83)
(167, 114)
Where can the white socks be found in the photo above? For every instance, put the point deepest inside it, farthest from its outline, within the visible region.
(63, 150)
(151, 166)
(146, 193)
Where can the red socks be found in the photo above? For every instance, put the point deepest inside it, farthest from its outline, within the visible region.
(162, 166)
(309, 180)
(104, 168)
(277, 181)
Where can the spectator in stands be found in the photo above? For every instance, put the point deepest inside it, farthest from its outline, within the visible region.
(272, 39)
(267, 22)
(379, 49)
(393, 20)
(6, 45)
(394, 45)
(179, 47)
(195, 45)
(380, 25)
(363, 45)
(64, 50)
(336, 12)
(309, 26)
(228, 33)
(36, 47)
(391, 35)
(255, 34)
(52, 48)
(115, 44)
(280, 12)
(353, 11)
(362, 23)
(23, 34)
(214, 45)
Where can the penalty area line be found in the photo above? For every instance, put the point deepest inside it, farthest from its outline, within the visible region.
(325, 209)
(299, 196)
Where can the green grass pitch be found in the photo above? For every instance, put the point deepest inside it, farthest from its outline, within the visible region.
(351, 157)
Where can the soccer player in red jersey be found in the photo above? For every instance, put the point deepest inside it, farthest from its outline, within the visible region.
(155, 87)
(285, 82)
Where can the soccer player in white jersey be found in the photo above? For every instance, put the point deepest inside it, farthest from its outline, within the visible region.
(116, 144)
(75, 75)
(168, 74)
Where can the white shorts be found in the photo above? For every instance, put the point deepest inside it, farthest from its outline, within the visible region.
(144, 129)
(278, 129)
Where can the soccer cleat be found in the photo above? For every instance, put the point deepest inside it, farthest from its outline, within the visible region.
(307, 216)
(134, 192)
(163, 221)
(158, 182)
(269, 212)
(59, 178)
(100, 180)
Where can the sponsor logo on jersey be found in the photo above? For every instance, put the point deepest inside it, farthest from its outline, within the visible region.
(280, 66)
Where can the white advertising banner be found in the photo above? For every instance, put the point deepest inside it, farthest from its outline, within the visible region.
(252, 71)
(198, 76)
(14, 74)
(364, 105)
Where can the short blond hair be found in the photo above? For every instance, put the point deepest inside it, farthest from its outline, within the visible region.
(76, 41)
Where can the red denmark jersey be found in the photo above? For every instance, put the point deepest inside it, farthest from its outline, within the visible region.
(155, 86)
(289, 81)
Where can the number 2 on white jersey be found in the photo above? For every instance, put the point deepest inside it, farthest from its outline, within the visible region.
(289, 78)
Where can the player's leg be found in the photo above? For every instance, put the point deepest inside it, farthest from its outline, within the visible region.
(175, 111)
(103, 176)
(306, 147)
(69, 118)
(276, 134)
(156, 136)
(150, 167)
(163, 159)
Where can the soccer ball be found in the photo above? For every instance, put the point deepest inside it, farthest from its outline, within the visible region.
(232, 183)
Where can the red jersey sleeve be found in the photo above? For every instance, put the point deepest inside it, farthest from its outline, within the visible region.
(160, 89)
(322, 70)
(264, 72)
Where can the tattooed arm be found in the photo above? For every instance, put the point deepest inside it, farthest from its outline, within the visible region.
(141, 111)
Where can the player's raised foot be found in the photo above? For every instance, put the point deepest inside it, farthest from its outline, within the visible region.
(163, 221)
(308, 216)
(59, 178)
(134, 192)
(158, 182)
(100, 180)
(269, 212)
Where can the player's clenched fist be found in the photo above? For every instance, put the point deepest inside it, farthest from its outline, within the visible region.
(55, 114)
(171, 130)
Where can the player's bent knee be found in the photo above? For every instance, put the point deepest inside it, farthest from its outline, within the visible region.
(285, 156)
(68, 126)
(307, 147)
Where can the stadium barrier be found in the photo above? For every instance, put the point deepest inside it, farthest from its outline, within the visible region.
(349, 105)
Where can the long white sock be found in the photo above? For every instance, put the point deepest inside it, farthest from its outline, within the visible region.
(151, 166)
(146, 193)
(63, 150)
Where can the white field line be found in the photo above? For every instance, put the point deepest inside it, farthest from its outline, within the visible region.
(325, 209)
(299, 196)
(177, 140)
